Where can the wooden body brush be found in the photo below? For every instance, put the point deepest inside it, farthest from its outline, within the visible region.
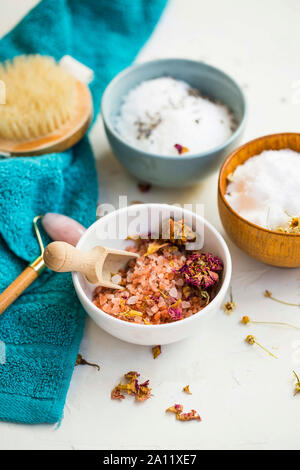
(46, 108)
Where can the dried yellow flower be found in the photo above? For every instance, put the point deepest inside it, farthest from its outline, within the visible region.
(250, 339)
(269, 295)
(245, 320)
(186, 389)
(229, 307)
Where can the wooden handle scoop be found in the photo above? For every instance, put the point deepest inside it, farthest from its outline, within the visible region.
(97, 265)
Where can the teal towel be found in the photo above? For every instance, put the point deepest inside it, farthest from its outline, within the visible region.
(42, 330)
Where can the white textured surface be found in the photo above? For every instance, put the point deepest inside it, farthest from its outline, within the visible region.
(245, 397)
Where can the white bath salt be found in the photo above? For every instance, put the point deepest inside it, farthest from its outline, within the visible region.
(266, 189)
(167, 117)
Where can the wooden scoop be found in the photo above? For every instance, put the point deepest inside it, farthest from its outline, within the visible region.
(97, 265)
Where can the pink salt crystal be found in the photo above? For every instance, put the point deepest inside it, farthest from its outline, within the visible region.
(62, 228)
(132, 300)
(116, 279)
(173, 292)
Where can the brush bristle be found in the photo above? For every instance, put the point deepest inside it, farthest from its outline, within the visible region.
(40, 97)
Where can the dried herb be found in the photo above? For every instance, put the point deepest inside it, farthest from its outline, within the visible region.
(144, 187)
(250, 339)
(297, 385)
(145, 129)
(82, 362)
(245, 320)
(141, 391)
(229, 307)
(269, 295)
(186, 389)
(156, 351)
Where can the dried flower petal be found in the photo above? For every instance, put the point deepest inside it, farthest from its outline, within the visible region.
(156, 351)
(180, 149)
(141, 391)
(177, 408)
(175, 310)
(186, 389)
(188, 416)
(201, 270)
(116, 394)
(154, 247)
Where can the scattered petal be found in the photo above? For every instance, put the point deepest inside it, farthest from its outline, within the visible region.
(180, 149)
(186, 389)
(156, 351)
(141, 391)
(189, 416)
(177, 408)
(153, 247)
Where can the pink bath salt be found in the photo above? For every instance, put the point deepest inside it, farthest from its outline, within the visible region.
(62, 228)
(151, 289)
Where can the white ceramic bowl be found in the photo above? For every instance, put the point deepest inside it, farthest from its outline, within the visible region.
(101, 233)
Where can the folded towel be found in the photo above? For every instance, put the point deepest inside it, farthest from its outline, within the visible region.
(42, 329)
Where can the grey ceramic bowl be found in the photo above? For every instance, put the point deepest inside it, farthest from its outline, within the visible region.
(164, 170)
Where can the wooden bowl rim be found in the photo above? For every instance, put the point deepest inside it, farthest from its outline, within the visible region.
(221, 178)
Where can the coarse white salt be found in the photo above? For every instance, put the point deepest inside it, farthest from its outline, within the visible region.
(266, 189)
(163, 112)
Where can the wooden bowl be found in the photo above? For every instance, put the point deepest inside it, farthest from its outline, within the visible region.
(270, 247)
